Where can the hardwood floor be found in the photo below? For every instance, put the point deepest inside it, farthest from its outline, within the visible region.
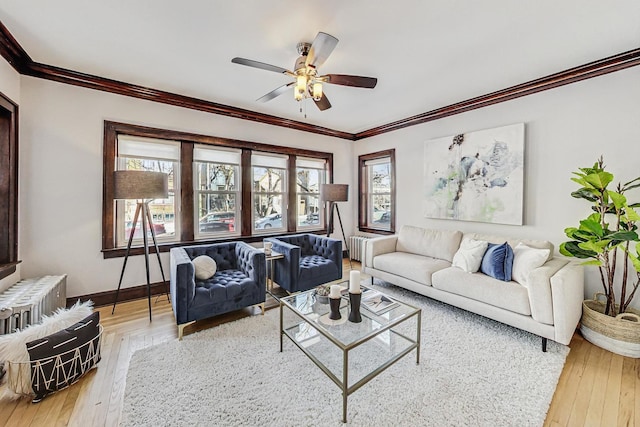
(596, 388)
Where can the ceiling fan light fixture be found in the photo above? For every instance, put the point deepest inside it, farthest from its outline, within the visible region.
(297, 95)
(317, 91)
(301, 84)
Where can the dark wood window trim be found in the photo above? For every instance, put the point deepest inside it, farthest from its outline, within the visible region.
(362, 191)
(8, 186)
(113, 129)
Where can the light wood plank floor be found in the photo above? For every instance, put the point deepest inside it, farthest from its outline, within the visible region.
(596, 388)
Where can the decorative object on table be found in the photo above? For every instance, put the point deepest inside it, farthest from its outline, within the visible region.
(376, 302)
(144, 187)
(322, 294)
(355, 295)
(334, 302)
(354, 302)
(601, 238)
(334, 193)
(476, 176)
(268, 247)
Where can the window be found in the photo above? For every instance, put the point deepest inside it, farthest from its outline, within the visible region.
(220, 189)
(377, 192)
(216, 190)
(269, 174)
(8, 187)
(310, 174)
(148, 155)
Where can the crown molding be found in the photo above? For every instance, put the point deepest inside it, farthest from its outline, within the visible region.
(11, 50)
(572, 75)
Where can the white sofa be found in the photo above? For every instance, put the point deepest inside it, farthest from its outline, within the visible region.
(548, 304)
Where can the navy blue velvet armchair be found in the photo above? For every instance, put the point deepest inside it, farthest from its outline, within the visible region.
(309, 260)
(239, 281)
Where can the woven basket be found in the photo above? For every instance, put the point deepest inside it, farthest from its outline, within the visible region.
(620, 334)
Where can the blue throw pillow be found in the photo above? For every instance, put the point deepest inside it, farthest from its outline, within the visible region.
(498, 261)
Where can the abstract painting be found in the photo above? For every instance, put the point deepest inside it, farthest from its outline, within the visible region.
(476, 176)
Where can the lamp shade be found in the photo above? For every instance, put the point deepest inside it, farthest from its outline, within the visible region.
(140, 185)
(334, 192)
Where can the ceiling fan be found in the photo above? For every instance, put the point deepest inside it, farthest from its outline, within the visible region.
(307, 81)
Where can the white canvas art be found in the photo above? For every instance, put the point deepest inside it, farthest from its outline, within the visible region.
(476, 176)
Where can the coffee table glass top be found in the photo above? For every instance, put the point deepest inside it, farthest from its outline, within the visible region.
(344, 332)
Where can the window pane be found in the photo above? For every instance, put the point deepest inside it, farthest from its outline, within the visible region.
(268, 212)
(217, 213)
(308, 181)
(216, 177)
(308, 210)
(216, 190)
(268, 180)
(380, 178)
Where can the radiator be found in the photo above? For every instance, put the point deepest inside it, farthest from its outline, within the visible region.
(28, 300)
(356, 244)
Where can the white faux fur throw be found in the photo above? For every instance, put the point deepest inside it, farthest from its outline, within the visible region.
(13, 346)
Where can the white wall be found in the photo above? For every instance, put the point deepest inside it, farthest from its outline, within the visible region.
(10, 87)
(61, 139)
(565, 128)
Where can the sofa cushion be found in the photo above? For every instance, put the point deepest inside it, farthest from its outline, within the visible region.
(223, 286)
(525, 260)
(513, 242)
(410, 266)
(498, 261)
(469, 256)
(316, 265)
(507, 295)
(441, 244)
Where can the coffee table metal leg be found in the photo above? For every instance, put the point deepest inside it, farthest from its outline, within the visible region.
(281, 328)
(418, 337)
(345, 384)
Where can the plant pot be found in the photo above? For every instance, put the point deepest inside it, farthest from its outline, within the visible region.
(620, 334)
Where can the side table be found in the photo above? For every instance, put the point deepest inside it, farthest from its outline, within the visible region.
(270, 267)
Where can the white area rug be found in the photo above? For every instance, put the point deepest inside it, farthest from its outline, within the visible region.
(472, 371)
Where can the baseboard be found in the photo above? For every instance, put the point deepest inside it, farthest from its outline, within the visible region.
(126, 294)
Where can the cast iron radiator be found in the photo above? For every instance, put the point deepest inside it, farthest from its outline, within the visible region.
(25, 302)
(356, 247)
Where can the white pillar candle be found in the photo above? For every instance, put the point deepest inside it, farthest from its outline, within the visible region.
(335, 292)
(354, 282)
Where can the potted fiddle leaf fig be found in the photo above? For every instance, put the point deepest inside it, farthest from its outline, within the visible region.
(608, 239)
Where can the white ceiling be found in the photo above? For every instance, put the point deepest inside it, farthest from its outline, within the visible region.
(425, 54)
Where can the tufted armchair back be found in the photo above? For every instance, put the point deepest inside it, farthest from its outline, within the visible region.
(309, 260)
(224, 254)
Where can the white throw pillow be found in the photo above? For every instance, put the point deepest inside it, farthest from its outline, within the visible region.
(469, 256)
(525, 260)
(205, 267)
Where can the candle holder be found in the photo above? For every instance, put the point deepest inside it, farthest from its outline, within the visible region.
(354, 301)
(334, 305)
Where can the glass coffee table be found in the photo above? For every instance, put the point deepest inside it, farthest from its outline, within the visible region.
(351, 354)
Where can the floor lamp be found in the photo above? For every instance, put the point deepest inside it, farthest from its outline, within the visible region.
(334, 193)
(143, 187)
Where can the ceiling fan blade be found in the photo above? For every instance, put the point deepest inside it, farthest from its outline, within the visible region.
(347, 80)
(320, 50)
(324, 103)
(276, 92)
(261, 65)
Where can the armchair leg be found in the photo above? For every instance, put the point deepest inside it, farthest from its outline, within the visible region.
(544, 345)
(181, 329)
(261, 306)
